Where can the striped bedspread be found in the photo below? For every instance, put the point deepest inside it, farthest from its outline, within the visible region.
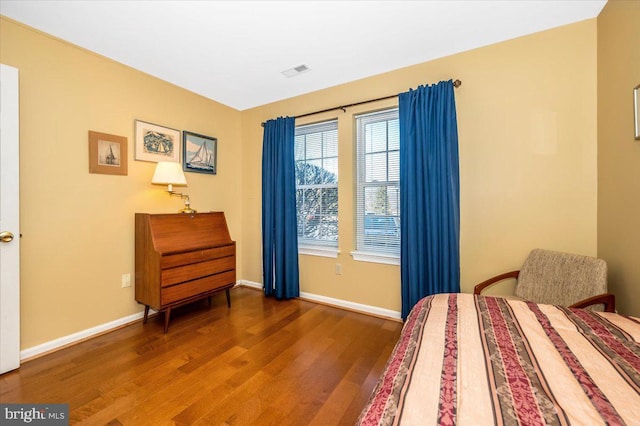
(481, 360)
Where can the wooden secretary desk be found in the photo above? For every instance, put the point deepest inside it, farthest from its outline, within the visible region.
(182, 258)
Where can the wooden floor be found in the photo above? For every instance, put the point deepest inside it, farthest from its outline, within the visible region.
(262, 362)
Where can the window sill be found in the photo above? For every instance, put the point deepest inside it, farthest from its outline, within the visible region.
(319, 251)
(387, 259)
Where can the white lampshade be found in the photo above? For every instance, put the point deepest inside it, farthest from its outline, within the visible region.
(169, 173)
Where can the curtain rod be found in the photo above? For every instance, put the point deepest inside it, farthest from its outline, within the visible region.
(456, 83)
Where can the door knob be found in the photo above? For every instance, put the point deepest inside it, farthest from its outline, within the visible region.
(6, 236)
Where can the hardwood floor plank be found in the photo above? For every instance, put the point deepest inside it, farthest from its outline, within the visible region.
(260, 362)
(333, 409)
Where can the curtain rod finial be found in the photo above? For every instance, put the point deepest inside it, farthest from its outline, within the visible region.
(457, 83)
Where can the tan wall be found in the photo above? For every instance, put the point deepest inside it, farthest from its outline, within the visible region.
(77, 228)
(618, 152)
(527, 125)
(527, 132)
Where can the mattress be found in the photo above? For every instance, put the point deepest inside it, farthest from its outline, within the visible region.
(466, 359)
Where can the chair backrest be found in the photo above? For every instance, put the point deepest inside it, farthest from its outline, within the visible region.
(560, 278)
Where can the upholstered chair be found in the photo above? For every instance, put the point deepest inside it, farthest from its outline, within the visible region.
(557, 278)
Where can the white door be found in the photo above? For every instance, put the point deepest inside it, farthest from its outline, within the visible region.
(9, 221)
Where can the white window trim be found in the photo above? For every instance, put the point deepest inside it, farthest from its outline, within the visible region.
(365, 253)
(366, 256)
(309, 246)
(309, 250)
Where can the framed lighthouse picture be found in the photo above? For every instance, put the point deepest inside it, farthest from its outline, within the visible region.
(107, 154)
(199, 153)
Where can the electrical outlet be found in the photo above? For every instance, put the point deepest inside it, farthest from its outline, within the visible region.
(338, 269)
(126, 280)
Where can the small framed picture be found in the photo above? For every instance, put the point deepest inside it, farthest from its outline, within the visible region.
(199, 153)
(157, 143)
(107, 154)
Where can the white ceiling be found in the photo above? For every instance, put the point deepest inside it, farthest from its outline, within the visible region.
(234, 51)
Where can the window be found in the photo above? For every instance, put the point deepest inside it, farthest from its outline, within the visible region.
(316, 155)
(378, 191)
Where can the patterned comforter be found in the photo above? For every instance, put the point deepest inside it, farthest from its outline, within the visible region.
(480, 360)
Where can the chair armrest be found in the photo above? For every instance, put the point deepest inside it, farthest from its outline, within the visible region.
(608, 299)
(479, 287)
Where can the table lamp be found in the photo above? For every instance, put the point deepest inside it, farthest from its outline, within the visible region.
(170, 173)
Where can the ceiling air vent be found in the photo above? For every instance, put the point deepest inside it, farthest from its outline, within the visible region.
(292, 72)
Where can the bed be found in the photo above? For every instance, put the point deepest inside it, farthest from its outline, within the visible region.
(465, 359)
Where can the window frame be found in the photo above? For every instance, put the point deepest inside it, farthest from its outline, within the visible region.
(363, 251)
(311, 246)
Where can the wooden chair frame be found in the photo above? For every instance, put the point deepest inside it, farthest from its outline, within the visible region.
(607, 299)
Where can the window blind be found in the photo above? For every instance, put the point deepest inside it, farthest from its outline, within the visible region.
(378, 175)
(316, 156)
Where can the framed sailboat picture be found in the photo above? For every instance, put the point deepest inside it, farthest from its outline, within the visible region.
(107, 154)
(157, 143)
(199, 153)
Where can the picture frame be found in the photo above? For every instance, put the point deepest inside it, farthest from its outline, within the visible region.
(107, 154)
(156, 143)
(199, 153)
(636, 110)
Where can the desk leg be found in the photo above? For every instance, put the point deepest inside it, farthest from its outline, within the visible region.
(146, 314)
(228, 297)
(167, 315)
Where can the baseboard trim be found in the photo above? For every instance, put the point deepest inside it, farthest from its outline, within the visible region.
(62, 342)
(339, 303)
(252, 284)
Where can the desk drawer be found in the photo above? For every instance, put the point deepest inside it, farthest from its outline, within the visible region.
(196, 270)
(173, 260)
(189, 289)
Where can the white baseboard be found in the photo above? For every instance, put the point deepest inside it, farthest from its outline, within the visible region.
(61, 342)
(79, 336)
(358, 307)
(251, 284)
